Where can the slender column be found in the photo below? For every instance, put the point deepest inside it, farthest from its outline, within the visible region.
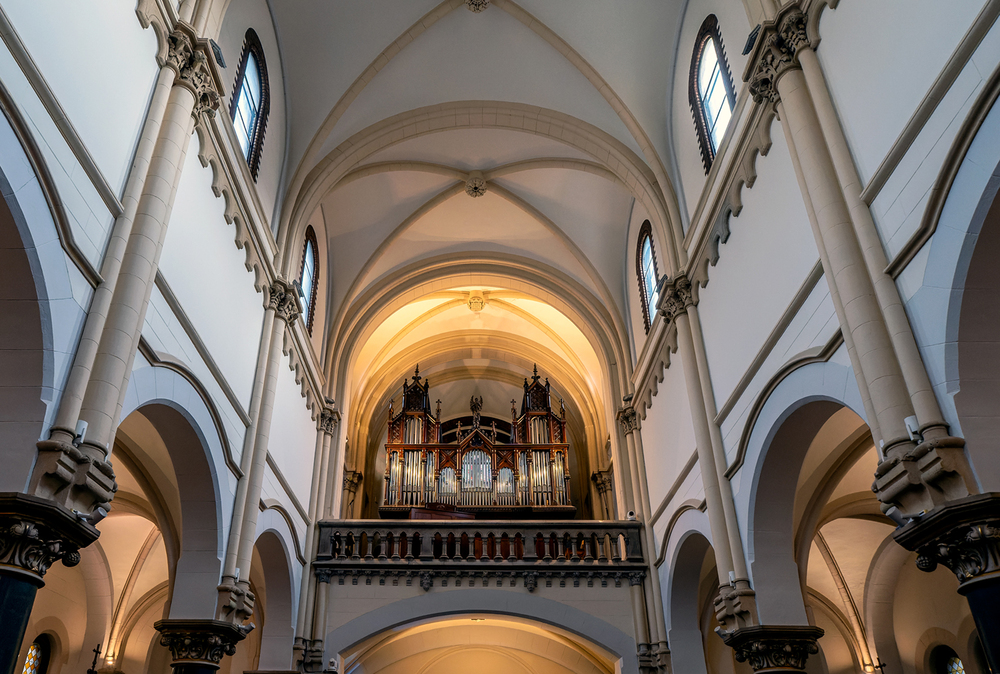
(647, 660)
(674, 301)
(35, 533)
(64, 427)
(194, 92)
(283, 299)
(914, 478)
(735, 605)
(838, 304)
(654, 599)
(327, 423)
(918, 384)
(229, 572)
(314, 654)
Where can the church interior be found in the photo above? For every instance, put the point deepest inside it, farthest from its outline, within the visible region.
(506, 336)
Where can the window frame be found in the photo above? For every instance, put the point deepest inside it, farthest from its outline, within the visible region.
(709, 31)
(44, 643)
(313, 291)
(646, 232)
(252, 45)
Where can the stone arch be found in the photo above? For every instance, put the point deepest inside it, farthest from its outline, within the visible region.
(500, 602)
(278, 630)
(197, 455)
(788, 421)
(687, 551)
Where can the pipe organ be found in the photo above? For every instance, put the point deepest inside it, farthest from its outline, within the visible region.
(475, 472)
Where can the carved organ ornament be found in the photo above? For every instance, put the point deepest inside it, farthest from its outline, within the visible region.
(484, 470)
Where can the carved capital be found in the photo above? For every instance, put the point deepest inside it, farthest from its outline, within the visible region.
(628, 418)
(323, 574)
(282, 297)
(328, 420)
(676, 295)
(603, 479)
(36, 533)
(774, 55)
(190, 60)
(736, 606)
(636, 577)
(202, 642)
(963, 535)
(770, 647)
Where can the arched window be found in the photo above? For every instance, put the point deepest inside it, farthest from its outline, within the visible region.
(710, 89)
(645, 266)
(309, 277)
(37, 660)
(251, 101)
(944, 660)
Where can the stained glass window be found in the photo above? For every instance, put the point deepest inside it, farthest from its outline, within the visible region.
(36, 661)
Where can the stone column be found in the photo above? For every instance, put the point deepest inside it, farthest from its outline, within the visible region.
(774, 649)
(914, 476)
(35, 533)
(77, 474)
(314, 653)
(603, 481)
(964, 536)
(283, 302)
(647, 659)
(328, 421)
(629, 420)
(735, 606)
(197, 646)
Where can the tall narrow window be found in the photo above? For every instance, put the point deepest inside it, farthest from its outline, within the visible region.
(309, 278)
(645, 264)
(251, 101)
(710, 89)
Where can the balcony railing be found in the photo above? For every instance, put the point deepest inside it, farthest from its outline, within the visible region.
(458, 552)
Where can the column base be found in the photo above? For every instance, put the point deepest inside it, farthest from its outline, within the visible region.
(774, 648)
(198, 646)
(35, 533)
(964, 535)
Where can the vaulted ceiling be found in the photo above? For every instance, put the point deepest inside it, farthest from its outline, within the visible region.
(560, 107)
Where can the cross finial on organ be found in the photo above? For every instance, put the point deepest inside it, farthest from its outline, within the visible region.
(416, 374)
(535, 376)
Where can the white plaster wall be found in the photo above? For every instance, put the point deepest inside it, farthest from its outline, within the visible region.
(899, 206)
(207, 274)
(240, 15)
(103, 84)
(734, 29)
(770, 251)
(293, 433)
(667, 432)
(880, 58)
(86, 212)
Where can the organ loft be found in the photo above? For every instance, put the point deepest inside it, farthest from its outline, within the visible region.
(473, 467)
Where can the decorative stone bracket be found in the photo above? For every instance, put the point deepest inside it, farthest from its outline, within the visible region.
(736, 607)
(35, 533)
(200, 642)
(769, 648)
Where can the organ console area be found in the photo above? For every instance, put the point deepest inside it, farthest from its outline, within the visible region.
(467, 468)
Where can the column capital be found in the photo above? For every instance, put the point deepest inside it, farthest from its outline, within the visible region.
(628, 418)
(35, 533)
(283, 299)
(188, 57)
(774, 53)
(603, 480)
(636, 577)
(963, 536)
(200, 642)
(329, 418)
(676, 295)
(322, 574)
(774, 647)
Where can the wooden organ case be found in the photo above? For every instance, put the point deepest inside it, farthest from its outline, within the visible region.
(520, 472)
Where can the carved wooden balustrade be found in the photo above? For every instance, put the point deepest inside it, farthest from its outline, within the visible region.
(480, 551)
